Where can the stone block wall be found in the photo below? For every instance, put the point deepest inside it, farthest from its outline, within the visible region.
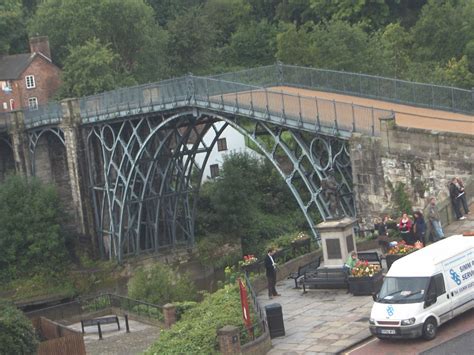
(423, 160)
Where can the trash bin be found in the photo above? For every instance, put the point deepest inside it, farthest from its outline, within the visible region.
(275, 320)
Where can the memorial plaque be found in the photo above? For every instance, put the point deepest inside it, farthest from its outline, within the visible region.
(350, 243)
(334, 248)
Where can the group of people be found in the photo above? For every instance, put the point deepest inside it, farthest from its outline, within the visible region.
(412, 230)
(458, 197)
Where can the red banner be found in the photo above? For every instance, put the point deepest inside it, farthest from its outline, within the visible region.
(245, 306)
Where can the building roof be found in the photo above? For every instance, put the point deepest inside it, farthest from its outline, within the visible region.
(11, 66)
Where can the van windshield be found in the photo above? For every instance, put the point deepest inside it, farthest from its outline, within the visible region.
(403, 289)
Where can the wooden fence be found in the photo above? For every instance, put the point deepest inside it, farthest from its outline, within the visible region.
(59, 339)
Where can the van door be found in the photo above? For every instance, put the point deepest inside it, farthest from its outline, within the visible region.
(437, 300)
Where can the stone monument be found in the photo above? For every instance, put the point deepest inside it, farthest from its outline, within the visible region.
(337, 240)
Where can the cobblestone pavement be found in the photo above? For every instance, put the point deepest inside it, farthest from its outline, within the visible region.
(328, 321)
(119, 342)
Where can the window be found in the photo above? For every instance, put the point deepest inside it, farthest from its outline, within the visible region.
(221, 144)
(12, 104)
(214, 170)
(5, 106)
(439, 282)
(30, 81)
(7, 86)
(33, 103)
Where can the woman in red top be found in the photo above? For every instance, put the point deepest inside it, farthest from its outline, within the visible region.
(404, 226)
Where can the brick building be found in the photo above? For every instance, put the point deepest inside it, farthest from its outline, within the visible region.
(28, 80)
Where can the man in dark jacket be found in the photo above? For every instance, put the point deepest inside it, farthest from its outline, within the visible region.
(455, 193)
(270, 267)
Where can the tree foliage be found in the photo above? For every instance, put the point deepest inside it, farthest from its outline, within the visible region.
(31, 240)
(249, 203)
(90, 69)
(17, 335)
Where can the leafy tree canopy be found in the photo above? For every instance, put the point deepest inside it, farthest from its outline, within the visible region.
(11, 26)
(92, 68)
(30, 235)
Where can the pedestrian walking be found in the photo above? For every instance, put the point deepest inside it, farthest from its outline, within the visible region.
(270, 267)
(383, 238)
(435, 220)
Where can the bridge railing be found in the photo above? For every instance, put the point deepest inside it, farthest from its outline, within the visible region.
(48, 114)
(371, 86)
(388, 89)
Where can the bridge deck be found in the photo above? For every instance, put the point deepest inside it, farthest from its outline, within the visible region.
(405, 115)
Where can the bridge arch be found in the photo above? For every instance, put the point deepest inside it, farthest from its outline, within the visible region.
(145, 180)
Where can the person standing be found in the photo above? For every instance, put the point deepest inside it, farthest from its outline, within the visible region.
(419, 227)
(404, 226)
(462, 195)
(455, 193)
(383, 238)
(435, 220)
(270, 268)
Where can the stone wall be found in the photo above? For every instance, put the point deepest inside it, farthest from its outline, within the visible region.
(423, 160)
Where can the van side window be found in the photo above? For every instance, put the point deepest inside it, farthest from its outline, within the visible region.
(439, 282)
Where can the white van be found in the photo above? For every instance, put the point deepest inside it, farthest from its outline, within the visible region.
(425, 289)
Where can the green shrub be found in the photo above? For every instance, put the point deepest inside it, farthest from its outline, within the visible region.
(17, 335)
(196, 332)
(160, 285)
(183, 307)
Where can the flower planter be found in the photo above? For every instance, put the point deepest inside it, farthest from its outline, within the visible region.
(390, 259)
(365, 285)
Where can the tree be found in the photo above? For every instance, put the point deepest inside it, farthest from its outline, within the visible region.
(17, 335)
(443, 30)
(11, 25)
(341, 46)
(30, 233)
(169, 10)
(191, 43)
(370, 14)
(456, 73)
(90, 69)
(253, 44)
(128, 26)
(294, 46)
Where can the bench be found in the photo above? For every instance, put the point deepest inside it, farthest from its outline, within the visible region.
(371, 256)
(326, 278)
(302, 270)
(97, 321)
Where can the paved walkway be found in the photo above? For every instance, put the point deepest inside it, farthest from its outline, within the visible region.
(327, 321)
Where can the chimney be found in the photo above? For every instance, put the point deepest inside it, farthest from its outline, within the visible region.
(40, 45)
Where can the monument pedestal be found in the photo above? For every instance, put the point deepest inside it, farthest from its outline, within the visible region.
(338, 240)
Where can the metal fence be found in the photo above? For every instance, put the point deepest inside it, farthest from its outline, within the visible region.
(370, 86)
(259, 326)
(247, 93)
(83, 306)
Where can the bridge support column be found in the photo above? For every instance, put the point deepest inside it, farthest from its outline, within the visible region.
(20, 143)
(70, 126)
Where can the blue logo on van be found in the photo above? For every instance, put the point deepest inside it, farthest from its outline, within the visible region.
(455, 277)
(390, 310)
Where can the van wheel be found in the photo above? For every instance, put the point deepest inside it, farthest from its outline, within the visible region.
(429, 329)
